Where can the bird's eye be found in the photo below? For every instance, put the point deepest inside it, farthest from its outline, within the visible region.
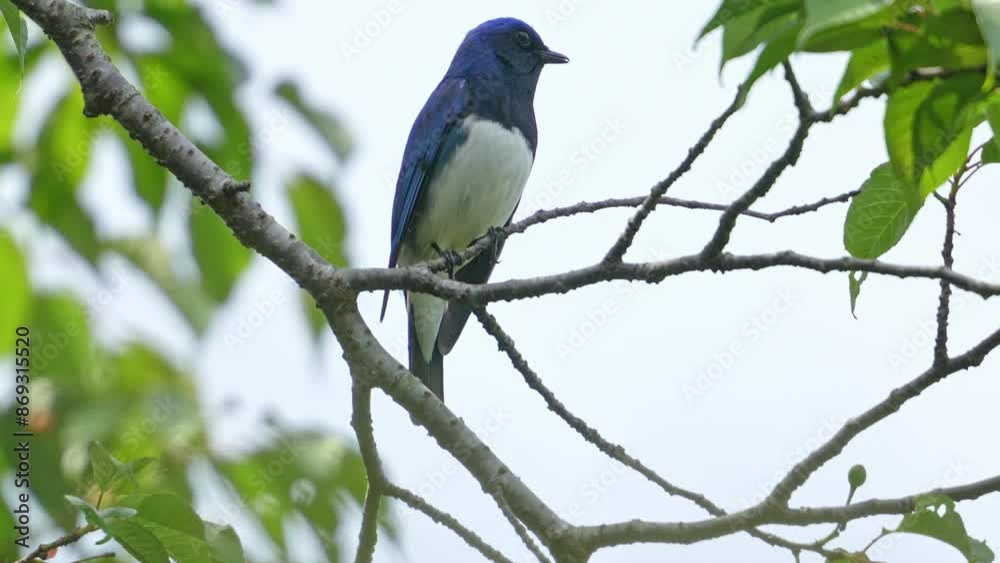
(522, 38)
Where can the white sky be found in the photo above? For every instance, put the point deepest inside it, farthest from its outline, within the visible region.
(806, 369)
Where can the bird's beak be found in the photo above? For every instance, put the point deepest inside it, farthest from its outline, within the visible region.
(551, 57)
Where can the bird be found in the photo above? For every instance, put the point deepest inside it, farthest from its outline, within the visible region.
(465, 165)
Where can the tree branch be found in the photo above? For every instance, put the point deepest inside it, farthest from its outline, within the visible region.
(41, 552)
(361, 420)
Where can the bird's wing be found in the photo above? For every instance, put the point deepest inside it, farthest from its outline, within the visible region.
(434, 136)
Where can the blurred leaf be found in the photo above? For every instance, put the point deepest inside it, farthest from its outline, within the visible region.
(63, 155)
(88, 511)
(855, 283)
(18, 30)
(880, 215)
(928, 128)
(865, 63)
(14, 287)
(935, 517)
(322, 226)
(104, 467)
(949, 39)
(149, 179)
(175, 524)
(163, 85)
(825, 15)
(329, 128)
(225, 544)
(221, 258)
(148, 255)
(302, 473)
(173, 512)
(988, 17)
(60, 337)
(138, 541)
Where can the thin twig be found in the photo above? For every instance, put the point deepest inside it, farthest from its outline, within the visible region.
(615, 451)
(43, 549)
(727, 222)
(522, 532)
(108, 555)
(948, 258)
(446, 520)
(801, 472)
(621, 246)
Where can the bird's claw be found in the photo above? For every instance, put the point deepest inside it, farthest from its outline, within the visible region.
(451, 259)
(495, 234)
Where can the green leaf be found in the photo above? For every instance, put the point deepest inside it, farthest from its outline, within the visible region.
(14, 286)
(104, 467)
(221, 258)
(762, 25)
(175, 524)
(935, 517)
(928, 128)
(330, 129)
(991, 152)
(988, 17)
(225, 544)
(855, 283)
(729, 10)
(825, 15)
(772, 55)
(138, 541)
(89, 512)
(880, 215)
(63, 156)
(323, 227)
(950, 39)
(18, 30)
(865, 63)
(173, 512)
(60, 337)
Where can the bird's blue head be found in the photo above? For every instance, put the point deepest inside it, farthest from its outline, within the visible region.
(505, 47)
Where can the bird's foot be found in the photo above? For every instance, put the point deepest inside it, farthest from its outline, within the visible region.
(451, 259)
(495, 234)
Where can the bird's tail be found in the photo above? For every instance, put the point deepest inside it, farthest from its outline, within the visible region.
(431, 374)
(385, 301)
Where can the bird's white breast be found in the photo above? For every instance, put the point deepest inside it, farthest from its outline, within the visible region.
(478, 187)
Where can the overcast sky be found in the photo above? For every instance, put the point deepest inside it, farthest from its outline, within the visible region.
(649, 366)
